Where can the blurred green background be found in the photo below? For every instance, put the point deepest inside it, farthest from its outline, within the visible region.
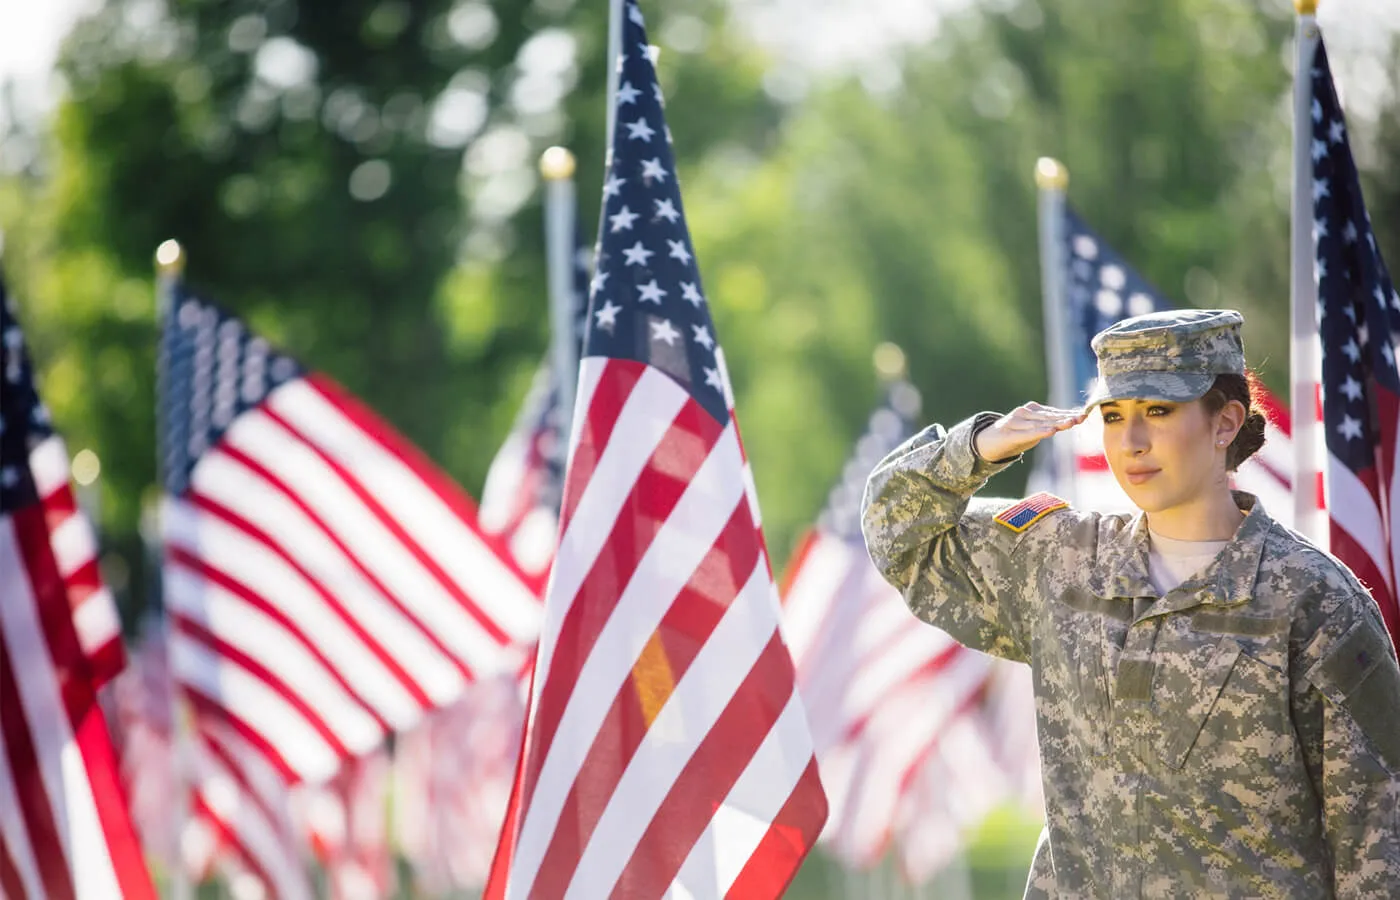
(357, 178)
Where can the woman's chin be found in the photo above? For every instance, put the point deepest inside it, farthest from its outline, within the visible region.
(1144, 496)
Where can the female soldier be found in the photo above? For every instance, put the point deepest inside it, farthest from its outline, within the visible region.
(1217, 701)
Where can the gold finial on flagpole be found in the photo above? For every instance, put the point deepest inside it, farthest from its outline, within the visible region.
(890, 362)
(170, 258)
(1051, 174)
(557, 164)
(1305, 7)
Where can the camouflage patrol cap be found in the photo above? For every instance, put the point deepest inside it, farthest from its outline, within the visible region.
(1170, 355)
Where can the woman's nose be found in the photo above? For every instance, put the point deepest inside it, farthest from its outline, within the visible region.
(1135, 441)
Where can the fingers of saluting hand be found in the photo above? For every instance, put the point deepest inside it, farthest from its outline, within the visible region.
(1023, 428)
(1036, 417)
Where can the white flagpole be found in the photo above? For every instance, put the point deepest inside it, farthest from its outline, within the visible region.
(1305, 356)
(1051, 179)
(614, 68)
(560, 215)
(170, 266)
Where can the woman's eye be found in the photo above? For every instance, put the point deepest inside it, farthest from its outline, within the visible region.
(1111, 417)
(1159, 410)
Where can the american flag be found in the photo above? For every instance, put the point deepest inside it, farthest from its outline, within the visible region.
(454, 772)
(666, 747)
(203, 803)
(240, 819)
(520, 501)
(326, 583)
(144, 728)
(347, 820)
(889, 697)
(453, 777)
(65, 831)
(1359, 317)
(1103, 288)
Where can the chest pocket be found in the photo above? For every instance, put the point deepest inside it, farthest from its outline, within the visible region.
(1092, 632)
(1186, 689)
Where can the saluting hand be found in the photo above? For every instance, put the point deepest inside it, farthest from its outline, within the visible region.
(1023, 428)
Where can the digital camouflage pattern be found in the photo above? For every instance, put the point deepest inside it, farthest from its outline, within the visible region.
(1237, 737)
(1173, 355)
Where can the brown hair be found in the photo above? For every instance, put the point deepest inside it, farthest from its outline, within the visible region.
(1250, 437)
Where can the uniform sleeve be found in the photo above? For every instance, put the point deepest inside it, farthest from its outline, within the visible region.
(1347, 709)
(941, 550)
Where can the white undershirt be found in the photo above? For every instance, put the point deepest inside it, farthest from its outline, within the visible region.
(1170, 561)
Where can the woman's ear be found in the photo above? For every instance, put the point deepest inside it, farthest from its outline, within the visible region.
(1229, 421)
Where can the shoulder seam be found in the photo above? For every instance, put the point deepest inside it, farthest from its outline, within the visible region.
(1297, 542)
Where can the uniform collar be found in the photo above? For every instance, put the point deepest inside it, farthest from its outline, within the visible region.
(1121, 570)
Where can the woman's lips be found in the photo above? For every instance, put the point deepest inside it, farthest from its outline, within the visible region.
(1139, 476)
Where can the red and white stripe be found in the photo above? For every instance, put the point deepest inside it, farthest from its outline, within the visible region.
(853, 639)
(1363, 508)
(64, 827)
(74, 547)
(328, 585)
(890, 700)
(903, 735)
(240, 810)
(1008, 712)
(184, 796)
(347, 820)
(982, 762)
(510, 507)
(666, 746)
(144, 708)
(453, 778)
(948, 798)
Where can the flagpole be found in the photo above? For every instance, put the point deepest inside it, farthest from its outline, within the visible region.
(170, 267)
(614, 72)
(560, 215)
(614, 69)
(1304, 357)
(1051, 180)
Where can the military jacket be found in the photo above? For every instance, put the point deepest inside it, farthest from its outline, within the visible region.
(1237, 737)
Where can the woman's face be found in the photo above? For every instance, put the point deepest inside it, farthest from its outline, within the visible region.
(1164, 454)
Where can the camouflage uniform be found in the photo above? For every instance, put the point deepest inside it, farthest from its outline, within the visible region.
(1237, 737)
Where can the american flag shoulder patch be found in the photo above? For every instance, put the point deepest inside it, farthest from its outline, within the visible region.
(1024, 513)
